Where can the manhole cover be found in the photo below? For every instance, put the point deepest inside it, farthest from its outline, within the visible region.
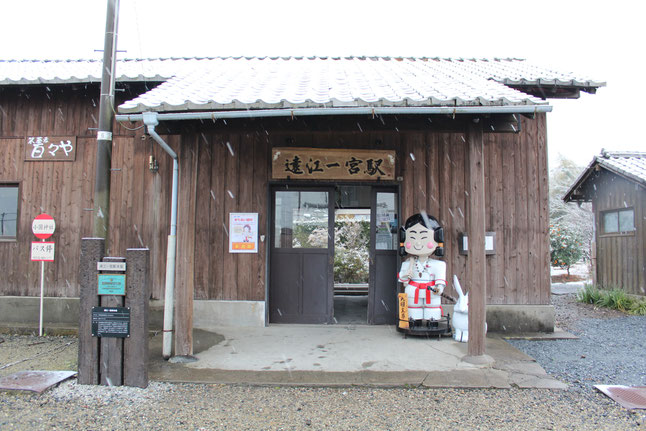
(630, 397)
(36, 381)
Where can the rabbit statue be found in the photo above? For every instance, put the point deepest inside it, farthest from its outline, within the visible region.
(460, 318)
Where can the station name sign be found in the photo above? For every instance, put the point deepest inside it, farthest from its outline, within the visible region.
(50, 148)
(332, 164)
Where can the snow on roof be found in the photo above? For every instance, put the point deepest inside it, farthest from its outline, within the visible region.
(288, 82)
(628, 164)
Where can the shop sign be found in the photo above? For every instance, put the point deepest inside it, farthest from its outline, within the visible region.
(332, 164)
(50, 148)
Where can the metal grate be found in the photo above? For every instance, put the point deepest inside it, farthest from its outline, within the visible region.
(630, 397)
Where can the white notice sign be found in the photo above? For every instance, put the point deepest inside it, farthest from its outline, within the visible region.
(110, 266)
(42, 251)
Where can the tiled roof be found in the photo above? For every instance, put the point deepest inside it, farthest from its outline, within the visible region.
(630, 165)
(289, 82)
(79, 71)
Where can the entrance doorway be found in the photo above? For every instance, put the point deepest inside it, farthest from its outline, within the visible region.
(333, 254)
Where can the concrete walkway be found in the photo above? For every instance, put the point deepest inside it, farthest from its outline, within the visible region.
(340, 355)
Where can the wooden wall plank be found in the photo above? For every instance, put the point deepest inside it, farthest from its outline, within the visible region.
(245, 176)
(202, 218)
(494, 191)
(261, 206)
(231, 197)
(521, 222)
(533, 220)
(218, 232)
(433, 157)
(544, 280)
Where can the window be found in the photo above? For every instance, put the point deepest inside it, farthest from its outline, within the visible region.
(8, 210)
(619, 221)
(301, 219)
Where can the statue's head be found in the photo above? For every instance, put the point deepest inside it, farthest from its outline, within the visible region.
(422, 235)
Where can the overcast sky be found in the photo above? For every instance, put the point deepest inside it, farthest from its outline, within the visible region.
(602, 42)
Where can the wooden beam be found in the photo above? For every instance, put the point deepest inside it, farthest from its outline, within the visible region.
(476, 264)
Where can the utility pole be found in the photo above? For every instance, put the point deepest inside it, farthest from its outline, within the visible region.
(104, 134)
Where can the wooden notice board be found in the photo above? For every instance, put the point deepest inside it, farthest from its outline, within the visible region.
(332, 164)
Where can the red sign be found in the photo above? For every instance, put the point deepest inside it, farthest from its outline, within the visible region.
(43, 226)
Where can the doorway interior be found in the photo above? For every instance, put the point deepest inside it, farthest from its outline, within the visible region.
(333, 255)
(351, 254)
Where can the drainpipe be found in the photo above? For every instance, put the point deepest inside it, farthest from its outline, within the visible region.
(150, 120)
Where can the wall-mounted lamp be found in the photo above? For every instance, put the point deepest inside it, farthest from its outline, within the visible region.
(153, 165)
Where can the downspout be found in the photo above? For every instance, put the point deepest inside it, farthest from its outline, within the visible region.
(150, 120)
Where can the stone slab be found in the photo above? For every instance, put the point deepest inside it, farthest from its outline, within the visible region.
(34, 381)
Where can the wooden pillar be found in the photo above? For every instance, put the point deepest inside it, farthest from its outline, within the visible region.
(92, 251)
(476, 264)
(185, 263)
(135, 347)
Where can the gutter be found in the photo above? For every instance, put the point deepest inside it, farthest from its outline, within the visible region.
(150, 120)
(413, 110)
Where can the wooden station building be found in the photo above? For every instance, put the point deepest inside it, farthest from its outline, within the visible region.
(615, 183)
(269, 146)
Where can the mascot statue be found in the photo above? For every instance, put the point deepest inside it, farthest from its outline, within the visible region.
(424, 278)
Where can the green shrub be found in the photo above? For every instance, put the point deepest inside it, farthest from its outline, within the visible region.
(638, 308)
(589, 294)
(614, 298)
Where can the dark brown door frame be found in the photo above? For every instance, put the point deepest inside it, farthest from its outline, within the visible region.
(319, 186)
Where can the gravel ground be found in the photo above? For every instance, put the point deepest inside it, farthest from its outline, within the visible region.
(610, 351)
(167, 406)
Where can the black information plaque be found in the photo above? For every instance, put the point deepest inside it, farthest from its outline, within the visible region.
(111, 322)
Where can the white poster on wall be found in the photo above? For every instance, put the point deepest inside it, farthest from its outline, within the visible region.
(243, 233)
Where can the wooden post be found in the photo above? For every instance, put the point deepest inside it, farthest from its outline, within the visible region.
(92, 251)
(111, 356)
(135, 347)
(106, 115)
(476, 263)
